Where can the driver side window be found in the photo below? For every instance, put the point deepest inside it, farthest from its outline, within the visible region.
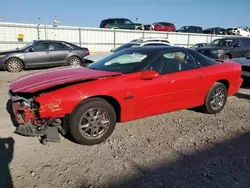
(171, 62)
(41, 47)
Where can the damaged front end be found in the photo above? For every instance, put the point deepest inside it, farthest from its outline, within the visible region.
(26, 112)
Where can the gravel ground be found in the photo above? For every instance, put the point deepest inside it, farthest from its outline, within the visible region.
(179, 149)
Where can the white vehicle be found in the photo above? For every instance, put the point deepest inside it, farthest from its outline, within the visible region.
(242, 31)
(134, 43)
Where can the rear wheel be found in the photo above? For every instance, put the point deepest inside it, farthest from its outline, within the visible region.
(216, 99)
(14, 65)
(226, 57)
(74, 61)
(92, 122)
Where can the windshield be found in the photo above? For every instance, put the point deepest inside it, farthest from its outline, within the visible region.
(125, 61)
(26, 46)
(247, 54)
(222, 42)
(183, 28)
(124, 46)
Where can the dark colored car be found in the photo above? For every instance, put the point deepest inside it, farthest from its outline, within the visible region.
(42, 54)
(190, 29)
(215, 30)
(245, 65)
(198, 45)
(121, 23)
(226, 48)
(162, 26)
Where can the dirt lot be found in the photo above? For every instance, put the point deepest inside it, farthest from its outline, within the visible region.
(180, 149)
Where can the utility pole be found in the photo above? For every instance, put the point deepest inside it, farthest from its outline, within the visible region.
(38, 31)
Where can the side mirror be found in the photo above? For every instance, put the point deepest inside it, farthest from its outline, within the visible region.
(236, 45)
(149, 75)
(31, 50)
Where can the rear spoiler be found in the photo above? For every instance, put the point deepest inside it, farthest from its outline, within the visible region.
(219, 60)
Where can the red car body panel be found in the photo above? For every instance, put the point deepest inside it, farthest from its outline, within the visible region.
(136, 97)
(166, 28)
(54, 77)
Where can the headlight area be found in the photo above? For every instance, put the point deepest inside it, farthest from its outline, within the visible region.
(29, 123)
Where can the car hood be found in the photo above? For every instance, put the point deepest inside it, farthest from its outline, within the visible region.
(8, 52)
(57, 76)
(209, 48)
(242, 60)
(96, 57)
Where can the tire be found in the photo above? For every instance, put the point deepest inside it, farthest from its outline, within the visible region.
(14, 65)
(81, 116)
(210, 108)
(74, 61)
(138, 28)
(226, 57)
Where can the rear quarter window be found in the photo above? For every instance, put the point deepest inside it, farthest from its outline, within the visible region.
(203, 60)
(246, 42)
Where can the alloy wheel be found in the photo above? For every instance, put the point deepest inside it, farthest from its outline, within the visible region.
(94, 123)
(217, 98)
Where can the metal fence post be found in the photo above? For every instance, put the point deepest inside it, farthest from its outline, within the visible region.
(143, 34)
(114, 38)
(188, 41)
(80, 37)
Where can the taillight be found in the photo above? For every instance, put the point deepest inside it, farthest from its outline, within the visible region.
(106, 26)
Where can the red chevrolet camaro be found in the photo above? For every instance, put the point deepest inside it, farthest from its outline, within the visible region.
(86, 103)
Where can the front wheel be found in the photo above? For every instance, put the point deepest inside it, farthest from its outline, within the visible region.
(92, 122)
(14, 65)
(216, 99)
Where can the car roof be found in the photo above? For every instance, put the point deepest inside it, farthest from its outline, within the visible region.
(48, 41)
(232, 38)
(157, 48)
(153, 39)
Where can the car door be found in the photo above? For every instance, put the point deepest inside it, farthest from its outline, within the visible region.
(127, 24)
(38, 55)
(238, 49)
(180, 84)
(60, 53)
(246, 45)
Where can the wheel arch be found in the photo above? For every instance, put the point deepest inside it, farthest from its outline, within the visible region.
(224, 82)
(114, 102)
(229, 54)
(111, 100)
(75, 55)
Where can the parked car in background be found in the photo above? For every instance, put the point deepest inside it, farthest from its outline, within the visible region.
(245, 64)
(121, 23)
(42, 54)
(152, 39)
(226, 48)
(241, 31)
(198, 45)
(190, 29)
(134, 43)
(162, 26)
(131, 84)
(215, 30)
